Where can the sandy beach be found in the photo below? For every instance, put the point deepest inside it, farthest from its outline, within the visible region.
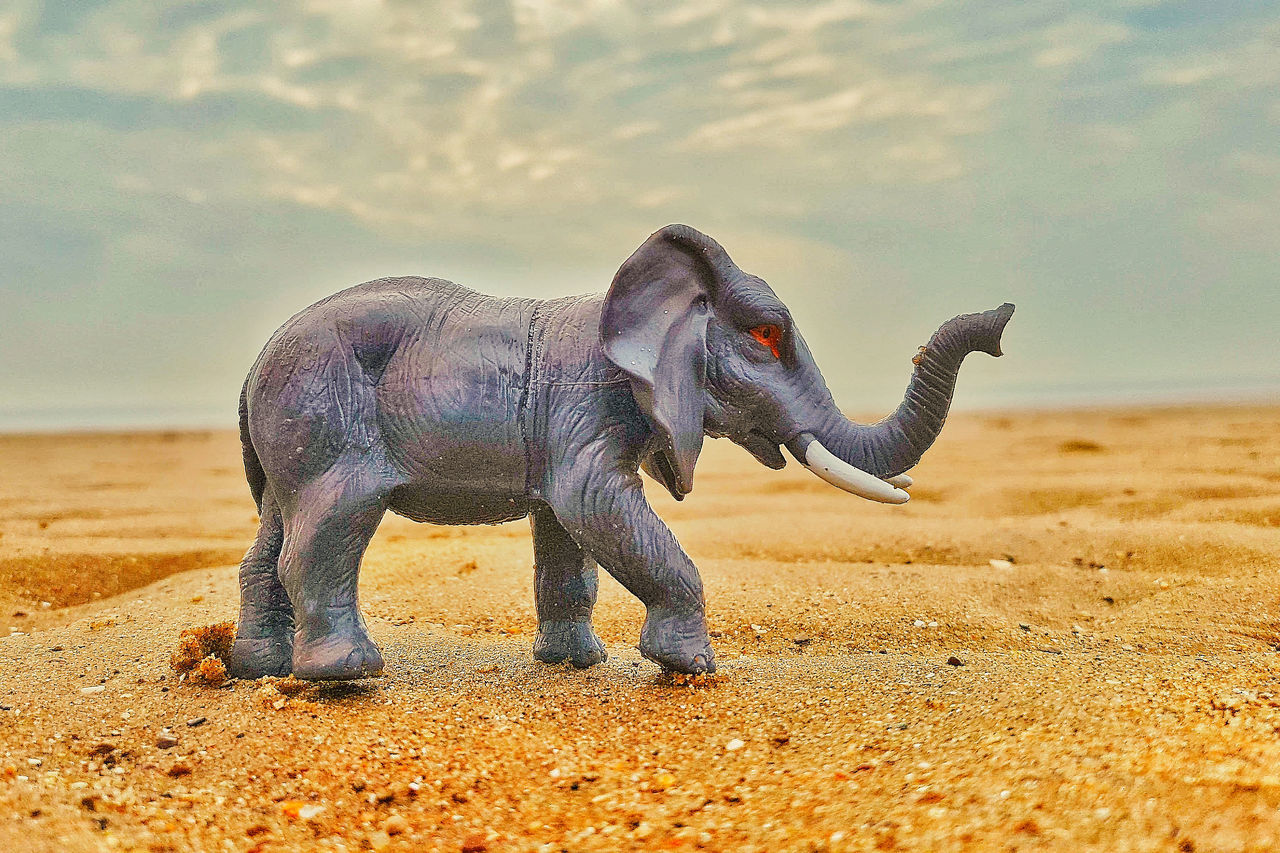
(1069, 639)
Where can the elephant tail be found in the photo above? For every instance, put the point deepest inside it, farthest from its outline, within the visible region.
(253, 471)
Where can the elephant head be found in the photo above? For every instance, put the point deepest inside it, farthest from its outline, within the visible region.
(711, 350)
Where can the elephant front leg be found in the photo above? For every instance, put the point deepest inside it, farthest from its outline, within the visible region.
(564, 591)
(609, 516)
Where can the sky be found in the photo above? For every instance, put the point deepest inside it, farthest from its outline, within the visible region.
(177, 179)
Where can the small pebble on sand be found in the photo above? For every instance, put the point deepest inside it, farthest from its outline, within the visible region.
(474, 844)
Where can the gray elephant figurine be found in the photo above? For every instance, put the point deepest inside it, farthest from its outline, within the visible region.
(444, 405)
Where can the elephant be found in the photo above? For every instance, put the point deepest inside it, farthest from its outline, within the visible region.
(421, 397)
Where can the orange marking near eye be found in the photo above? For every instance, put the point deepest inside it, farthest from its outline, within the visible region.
(769, 335)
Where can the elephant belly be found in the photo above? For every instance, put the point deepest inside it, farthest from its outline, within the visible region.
(424, 503)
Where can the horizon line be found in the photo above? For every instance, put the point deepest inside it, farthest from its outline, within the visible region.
(1048, 398)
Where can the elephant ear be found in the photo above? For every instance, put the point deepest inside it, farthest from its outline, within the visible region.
(654, 328)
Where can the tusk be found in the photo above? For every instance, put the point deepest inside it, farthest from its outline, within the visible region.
(902, 481)
(842, 475)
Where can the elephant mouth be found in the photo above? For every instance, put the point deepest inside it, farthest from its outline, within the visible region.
(765, 449)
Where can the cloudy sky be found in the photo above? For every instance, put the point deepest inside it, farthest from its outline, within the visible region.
(176, 179)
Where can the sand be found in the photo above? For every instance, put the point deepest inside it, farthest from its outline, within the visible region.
(1107, 583)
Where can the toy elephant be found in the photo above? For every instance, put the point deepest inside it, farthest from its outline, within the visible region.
(419, 396)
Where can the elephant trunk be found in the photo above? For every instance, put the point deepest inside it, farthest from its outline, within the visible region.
(891, 446)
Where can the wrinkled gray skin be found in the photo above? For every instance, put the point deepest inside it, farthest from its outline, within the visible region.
(443, 405)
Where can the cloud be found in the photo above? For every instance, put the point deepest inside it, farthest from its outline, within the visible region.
(952, 150)
(1078, 40)
(1187, 75)
(780, 125)
(407, 117)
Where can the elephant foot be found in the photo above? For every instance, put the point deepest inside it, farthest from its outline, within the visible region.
(677, 642)
(558, 641)
(341, 655)
(257, 657)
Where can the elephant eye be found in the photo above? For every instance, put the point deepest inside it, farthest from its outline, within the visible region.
(769, 335)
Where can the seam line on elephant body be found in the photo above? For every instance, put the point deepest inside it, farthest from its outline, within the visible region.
(554, 383)
(526, 393)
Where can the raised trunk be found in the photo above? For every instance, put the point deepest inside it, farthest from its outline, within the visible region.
(895, 444)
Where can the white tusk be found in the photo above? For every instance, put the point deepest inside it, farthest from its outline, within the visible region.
(902, 481)
(842, 475)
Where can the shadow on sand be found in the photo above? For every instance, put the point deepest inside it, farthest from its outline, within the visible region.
(333, 692)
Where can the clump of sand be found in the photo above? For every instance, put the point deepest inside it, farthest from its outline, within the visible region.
(211, 672)
(290, 686)
(275, 693)
(680, 679)
(203, 652)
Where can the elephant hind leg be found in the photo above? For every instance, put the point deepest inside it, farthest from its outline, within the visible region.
(565, 586)
(264, 631)
(325, 538)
